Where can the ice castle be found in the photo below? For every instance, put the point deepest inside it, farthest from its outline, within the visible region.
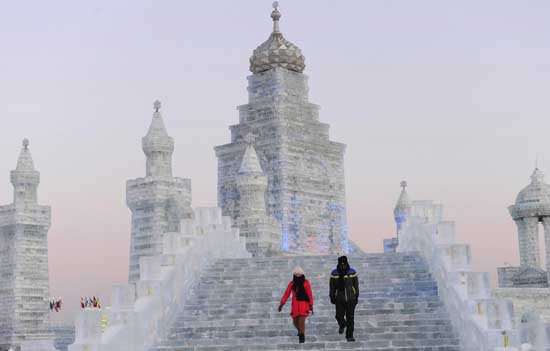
(281, 203)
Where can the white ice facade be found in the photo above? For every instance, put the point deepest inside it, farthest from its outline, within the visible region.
(24, 290)
(304, 168)
(485, 318)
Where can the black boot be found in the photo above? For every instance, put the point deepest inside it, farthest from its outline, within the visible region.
(350, 338)
(342, 328)
(302, 338)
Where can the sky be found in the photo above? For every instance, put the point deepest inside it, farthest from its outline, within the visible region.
(450, 96)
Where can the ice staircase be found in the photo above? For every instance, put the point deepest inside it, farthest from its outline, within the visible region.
(235, 307)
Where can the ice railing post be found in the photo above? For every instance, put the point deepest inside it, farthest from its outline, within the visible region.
(482, 322)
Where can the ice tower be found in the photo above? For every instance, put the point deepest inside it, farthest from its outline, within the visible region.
(25, 291)
(159, 201)
(262, 233)
(531, 210)
(304, 168)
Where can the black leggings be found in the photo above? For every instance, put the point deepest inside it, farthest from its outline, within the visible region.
(345, 312)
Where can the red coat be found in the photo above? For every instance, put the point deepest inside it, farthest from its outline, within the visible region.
(299, 308)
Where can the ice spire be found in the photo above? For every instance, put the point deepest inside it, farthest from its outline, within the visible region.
(402, 207)
(276, 16)
(158, 146)
(403, 202)
(25, 178)
(537, 176)
(251, 181)
(250, 162)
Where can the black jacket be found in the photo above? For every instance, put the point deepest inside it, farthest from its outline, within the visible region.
(351, 286)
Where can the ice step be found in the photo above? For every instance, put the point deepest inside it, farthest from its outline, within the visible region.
(235, 307)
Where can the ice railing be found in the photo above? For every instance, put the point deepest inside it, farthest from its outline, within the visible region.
(140, 315)
(483, 323)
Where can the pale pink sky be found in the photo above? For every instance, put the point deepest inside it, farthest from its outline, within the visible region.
(452, 96)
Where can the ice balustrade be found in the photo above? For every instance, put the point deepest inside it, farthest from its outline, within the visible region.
(483, 322)
(140, 314)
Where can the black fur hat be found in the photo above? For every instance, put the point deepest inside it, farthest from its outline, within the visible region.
(343, 260)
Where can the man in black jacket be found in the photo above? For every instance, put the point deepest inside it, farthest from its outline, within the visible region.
(344, 293)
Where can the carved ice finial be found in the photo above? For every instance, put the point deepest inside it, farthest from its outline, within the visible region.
(249, 138)
(276, 16)
(157, 105)
(404, 184)
(537, 176)
(26, 143)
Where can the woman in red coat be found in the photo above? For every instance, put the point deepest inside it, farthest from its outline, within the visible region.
(302, 301)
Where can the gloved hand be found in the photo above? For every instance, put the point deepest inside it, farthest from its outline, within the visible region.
(333, 300)
(280, 307)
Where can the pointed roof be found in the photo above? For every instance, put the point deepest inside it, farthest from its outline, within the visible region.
(24, 162)
(24, 172)
(157, 128)
(250, 163)
(157, 138)
(276, 51)
(403, 202)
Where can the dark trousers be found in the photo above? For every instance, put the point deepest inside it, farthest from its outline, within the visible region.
(345, 312)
